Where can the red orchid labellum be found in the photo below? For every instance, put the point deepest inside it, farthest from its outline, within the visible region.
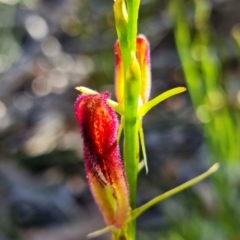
(105, 173)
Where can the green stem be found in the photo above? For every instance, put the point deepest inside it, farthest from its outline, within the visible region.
(131, 154)
(131, 141)
(127, 38)
(133, 8)
(131, 158)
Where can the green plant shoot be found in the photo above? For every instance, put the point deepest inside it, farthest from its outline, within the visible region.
(132, 88)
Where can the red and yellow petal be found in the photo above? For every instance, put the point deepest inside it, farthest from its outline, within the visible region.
(98, 125)
(119, 73)
(143, 57)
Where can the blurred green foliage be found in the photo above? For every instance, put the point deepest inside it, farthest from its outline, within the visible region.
(9, 47)
(203, 72)
(198, 50)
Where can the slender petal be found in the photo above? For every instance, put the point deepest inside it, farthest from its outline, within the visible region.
(119, 73)
(143, 57)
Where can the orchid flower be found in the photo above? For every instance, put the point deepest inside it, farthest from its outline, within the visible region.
(113, 182)
(105, 173)
(143, 59)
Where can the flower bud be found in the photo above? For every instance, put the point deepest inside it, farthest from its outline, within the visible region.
(121, 17)
(119, 73)
(105, 173)
(143, 57)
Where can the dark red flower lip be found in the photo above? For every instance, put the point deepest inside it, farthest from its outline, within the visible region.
(98, 126)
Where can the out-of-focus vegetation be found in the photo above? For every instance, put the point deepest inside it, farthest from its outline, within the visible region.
(202, 67)
(201, 53)
(50, 47)
(9, 48)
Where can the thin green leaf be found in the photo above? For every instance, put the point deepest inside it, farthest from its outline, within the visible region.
(140, 210)
(142, 142)
(147, 106)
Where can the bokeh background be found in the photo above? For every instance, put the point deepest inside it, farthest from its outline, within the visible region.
(48, 47)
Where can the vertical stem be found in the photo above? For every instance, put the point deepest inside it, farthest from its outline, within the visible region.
(131, 141)
(131, 156)
(131, 150)
(127, 40)
(133, 8)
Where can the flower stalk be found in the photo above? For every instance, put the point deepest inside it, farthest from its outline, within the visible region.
(114, 183)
